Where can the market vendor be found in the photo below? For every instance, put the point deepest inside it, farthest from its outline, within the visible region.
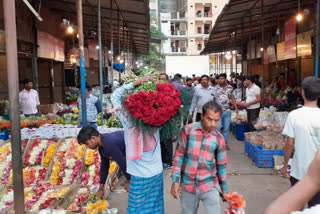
(111, 146)
(93, 107)
(29, 99)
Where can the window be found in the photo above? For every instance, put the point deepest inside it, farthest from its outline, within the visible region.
(199, 30)
(199, 47)
(206, 28)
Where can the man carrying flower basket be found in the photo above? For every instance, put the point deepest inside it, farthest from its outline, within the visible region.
(143, 151)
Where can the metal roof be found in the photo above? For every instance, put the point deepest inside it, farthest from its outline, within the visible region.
(134, 13)
(233, 24)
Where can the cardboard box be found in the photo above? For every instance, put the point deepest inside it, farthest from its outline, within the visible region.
(46, 109)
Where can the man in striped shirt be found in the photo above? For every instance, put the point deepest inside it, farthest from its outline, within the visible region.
(200, 163)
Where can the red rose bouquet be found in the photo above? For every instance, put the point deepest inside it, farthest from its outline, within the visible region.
(154, 108)
(153, 105)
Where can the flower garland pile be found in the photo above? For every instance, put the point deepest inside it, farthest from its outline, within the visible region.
(36, 151)
(92, 174)
(67, 163)
(48, 197)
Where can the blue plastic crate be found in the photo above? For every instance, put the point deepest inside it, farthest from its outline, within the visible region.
(4, 135)
(246, 148)
(240, 130)
(249, 149)
(264, 158)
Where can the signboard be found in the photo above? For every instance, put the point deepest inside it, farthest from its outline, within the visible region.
(304, 44)
(289, 30)
(280, 51)
(50, 47)
(290, 49)
(271, 52)
(45, 45)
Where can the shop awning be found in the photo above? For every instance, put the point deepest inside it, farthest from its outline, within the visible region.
(232, 26)
(134, 13)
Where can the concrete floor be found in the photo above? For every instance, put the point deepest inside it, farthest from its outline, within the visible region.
(259, 186)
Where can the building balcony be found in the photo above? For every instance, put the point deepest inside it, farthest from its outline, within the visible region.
(179, 33)
(174, 17)
(176, 50)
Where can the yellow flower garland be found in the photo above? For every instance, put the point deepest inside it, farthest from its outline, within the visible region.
(95, 208)
(78, 154)
(47, 158)
(88, 158)
(55, 172)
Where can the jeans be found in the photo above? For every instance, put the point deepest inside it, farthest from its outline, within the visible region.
(225, 122)
(189, 202)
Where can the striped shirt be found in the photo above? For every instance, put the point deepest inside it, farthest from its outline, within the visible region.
(200, 160)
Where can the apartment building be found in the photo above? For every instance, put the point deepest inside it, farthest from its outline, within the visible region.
(188, 28)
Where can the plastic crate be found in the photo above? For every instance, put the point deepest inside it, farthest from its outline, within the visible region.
(4, 135)
(249, 149)
(264, 158)
(240, 130)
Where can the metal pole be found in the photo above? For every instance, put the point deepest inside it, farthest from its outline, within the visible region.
(262, 43)
(34, 57)
(111, 45)
(250, 46)
(128, 47)
(13, 86)
(100, 60)
(235, 48)
(81, 60)
(124, 47)
(119, 46)
(316, 65)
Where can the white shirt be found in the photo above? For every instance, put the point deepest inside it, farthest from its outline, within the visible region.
(304, 126)
(251, 94)
(29, 100)
(312, 210)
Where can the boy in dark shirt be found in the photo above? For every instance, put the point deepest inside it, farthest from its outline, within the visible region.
(110, 146)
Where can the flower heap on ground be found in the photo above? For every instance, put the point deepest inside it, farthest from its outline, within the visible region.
(6, 198)
(6, 162)
(79, 199)
(92, 173)
(36, 160)
(48, 197)
(67, 162)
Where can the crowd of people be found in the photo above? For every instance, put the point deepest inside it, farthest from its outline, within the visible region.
(199, 162)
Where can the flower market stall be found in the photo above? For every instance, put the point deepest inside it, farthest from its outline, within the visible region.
(59, 176)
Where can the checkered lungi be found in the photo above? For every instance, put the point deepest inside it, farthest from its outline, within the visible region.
(146, 195)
